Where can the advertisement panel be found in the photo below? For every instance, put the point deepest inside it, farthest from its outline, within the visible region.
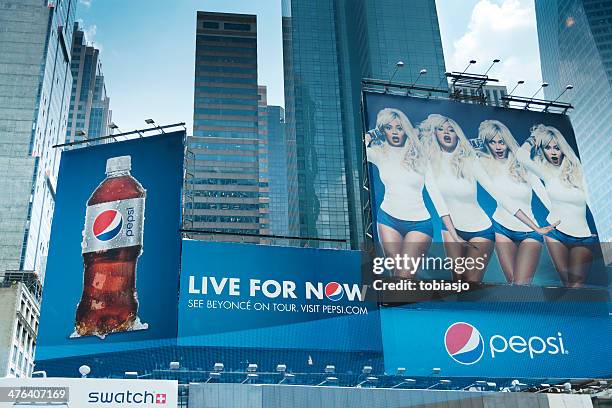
(112, 271)
(479, 194)
(474, 342)
(243, 295)
(88, 392)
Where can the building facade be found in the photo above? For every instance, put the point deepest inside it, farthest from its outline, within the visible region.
(35, 83)
(329, 46)
(90, 114)
(228, 184)
(279, 164)
(19, 316)
(575, 39)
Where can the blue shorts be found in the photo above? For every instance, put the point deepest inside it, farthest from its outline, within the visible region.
(569, 239)
(516, 236)
(403, 226)
(488, 233)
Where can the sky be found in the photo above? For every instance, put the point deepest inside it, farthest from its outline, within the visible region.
(148, 49)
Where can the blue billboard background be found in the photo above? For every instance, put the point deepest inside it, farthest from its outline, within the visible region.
(469, 117)
(157, 163)
(332, 323)
(415, 338)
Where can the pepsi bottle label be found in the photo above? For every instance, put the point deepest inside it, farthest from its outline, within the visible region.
(115, 224)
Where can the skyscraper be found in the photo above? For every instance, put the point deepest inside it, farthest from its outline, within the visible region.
(229, 186)
(90, 115)
(329, 46)
(35, 44)
(575, 49)
(35, 83)
(278, 168)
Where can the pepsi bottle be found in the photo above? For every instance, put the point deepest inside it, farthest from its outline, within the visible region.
(112, 243)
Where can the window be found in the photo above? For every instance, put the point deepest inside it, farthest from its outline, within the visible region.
(235, 26)
(210, 24)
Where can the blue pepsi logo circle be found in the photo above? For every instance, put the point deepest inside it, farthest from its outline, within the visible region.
(107, 225)
(334, 291)
(464, 343)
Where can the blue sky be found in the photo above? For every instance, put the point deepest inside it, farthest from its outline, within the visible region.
(147, 48)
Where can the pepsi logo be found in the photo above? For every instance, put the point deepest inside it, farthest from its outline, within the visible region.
(464, 343)
(334, 291)
(107, 225)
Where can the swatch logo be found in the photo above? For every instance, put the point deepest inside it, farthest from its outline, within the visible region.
(464, 343)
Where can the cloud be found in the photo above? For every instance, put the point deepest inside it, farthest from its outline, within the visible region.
(86, 3)
(504, 29)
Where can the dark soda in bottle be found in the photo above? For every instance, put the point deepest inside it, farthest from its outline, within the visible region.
(112, 243)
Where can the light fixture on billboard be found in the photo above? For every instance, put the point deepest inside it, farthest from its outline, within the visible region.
(175, 365)
(152, 122)
(568, 87)
(495, 61)
(213, 375)
(328, 380)
(405, 381)
(251, 368)
(436, 370)
(330, 369)
(39, 374)
(472, 62)
(544, 85)
(400, 371)
(250, 378)
(567, 387)
(398, 65)
(491, 385)
(281, 368)
(521, 82)
(130, 375)
(84, 370)
(441, 382)
(421, 73)
(218, 367)
(81, 133)
(113, 126)
(366, 369)
(480, 384)
(369, 380)
(287, 377)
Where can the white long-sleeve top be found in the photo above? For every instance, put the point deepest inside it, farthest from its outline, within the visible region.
(461, 194)
(517, 193)
(567, 204)
(403, 186)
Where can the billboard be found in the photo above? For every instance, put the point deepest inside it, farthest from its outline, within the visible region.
(244, 295)
(471, 341)
(112, 271)
(478, 194)
(88, 392)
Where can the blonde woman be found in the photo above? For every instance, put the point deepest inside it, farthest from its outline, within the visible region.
(570, 244)
(457, 171)
(518, 246)
(403, 222)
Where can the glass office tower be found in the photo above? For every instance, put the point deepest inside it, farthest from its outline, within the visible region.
(89, 104)
(576, 48)
(329, 46)
(228, 189)
(35, 83)
(278, 166)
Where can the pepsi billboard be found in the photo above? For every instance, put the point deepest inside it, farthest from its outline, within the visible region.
(495, 341)
(258, 296)
(479, 194)
(114, 255)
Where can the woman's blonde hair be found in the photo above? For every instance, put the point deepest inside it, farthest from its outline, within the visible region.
(412, 157)
(460, 156)
(487, 131)
(571, 169)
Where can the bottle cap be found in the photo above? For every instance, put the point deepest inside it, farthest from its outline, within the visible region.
(121, 163)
